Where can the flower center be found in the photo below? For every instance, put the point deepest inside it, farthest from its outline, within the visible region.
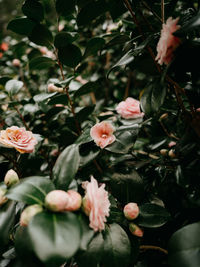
(104, 135)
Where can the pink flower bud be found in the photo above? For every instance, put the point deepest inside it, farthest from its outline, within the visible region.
(171, 144)
(164, 152)
(163, 116)
(11, 178)
(135, 230)
(28, 213)
(52, 88)
(172, 154)
(16, 62)
(3, 199)
(74, 202)
(57, 200)
(131, 211)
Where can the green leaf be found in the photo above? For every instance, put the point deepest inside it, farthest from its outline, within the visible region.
(40, 35)
(117, 247)
(13, 86)
(124, 60)
(85, 137)
(23, 26)
(7, 217)
(127, 187)
(31, 190)
(43, 96)
(40, 63)
(70, 55)
(93, 46)
(91, 11)
(55, 237)
(192, 24)
(64, 7)
(66, 166)
(33, 10)
(86, 89)
(184, 247)
(116, 8)
(152, 216)
(64, 38)
(84, 113)
(58, 99)
(153, 98)
(119, 39)
(87, 232)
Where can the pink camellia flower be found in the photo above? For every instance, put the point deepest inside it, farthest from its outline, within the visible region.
(96, 204)
(28, 213)
(102, 134)
(56, 200)
(18, 138)
(135, 230)
(75, 201)
(129, 109)
(168, 42)
(131, 211)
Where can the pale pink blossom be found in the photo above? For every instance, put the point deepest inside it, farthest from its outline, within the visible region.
(16, 62)
(168, 42)
(28, 213)
(96, 204)
(171, 144)
(18, 138)
(75, 201)
(131, 211)
(129, 109)
(135, 230)
(56, 200)
(102, 134)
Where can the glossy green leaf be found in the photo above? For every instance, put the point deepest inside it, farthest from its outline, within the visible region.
(116, 8)
(66, 166)
(91, 11)
(93, 46)
(23, 26)
(192, 24)
(40, 35)
(184, 247)
(31, 190)
(119, 39)
(7, 217)
(87, 232)
(40, 63)
(13, 86)
(70, 55)
(33, 9)
(55, 237)
(117, 247)
(64, 38)
(64, 7)
(43, 97)
(85, 137)
(152, 216)
(84, 113)
(86, 89)
(58, 99)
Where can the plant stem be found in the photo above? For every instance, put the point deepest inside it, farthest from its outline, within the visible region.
(163, 11)
(149, 247)
(22, 118)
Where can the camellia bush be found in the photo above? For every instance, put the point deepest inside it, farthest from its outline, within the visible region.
(99, 137)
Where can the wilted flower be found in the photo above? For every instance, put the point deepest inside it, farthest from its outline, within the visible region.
(135, 230)
(168, 42)
(96, 204)
(18, 138)
(131, 211)
(129, 109)
(74, 202)
(28, 213)
(3, 199)
(102, 134)
(56, 200)
(11, 178)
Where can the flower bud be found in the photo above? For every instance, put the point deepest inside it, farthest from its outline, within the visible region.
(172, 154)
(28, 213)
(135, 230)
(85, 206)
(171, 144)
(3, 199)
(16, 62)
(163, 116)
(11, 178)
(57, 200)
(131, 211)
(164, 152)
(74, 202)
(52, 88)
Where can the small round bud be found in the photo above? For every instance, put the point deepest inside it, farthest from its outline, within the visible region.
(135, 230)
(131, 211)
(52, 88)
(172, 154)
(171, 144)
(28, 213)
(164, 152)
(3, 199)
(11, 178)
(75, 201)
(16, 62)
(57, 200)
(163, 116)
(85, 206)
